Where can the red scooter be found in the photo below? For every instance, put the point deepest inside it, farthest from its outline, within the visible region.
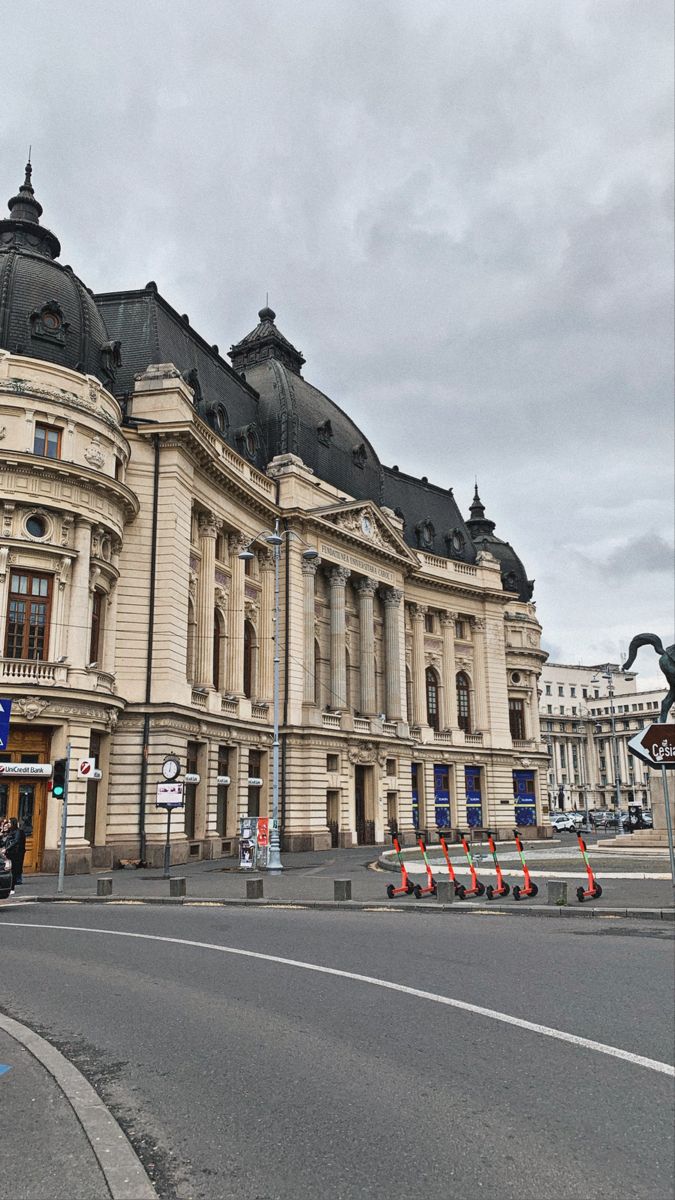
(502, 888)
(407, 887)
(594, 891)
(430, 889)
(451, 869)
(530, 888)
(477, 888)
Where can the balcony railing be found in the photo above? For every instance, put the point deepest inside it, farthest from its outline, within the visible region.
(389, 728)
(199, 699)
(361, 725)
(260, 712)
(231, 707)
(331, 720)
(33, 671)
(443, 735)
(473, 739)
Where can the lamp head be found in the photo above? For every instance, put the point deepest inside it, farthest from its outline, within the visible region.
(310, 555)
(247, 555)
(274, 539)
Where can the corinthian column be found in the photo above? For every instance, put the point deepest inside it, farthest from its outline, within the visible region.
(309, 569)
(366, 589)
(266, 687)
(392, 652)
(235, 630)
(338, 577)
(78, 609)
(449, 713)
(480, 673)
(208, 532)
(418, 613)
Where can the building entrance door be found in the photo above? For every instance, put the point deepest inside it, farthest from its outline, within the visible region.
(26, 799)
(365, 825)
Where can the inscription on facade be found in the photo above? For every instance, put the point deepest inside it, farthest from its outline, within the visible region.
(362, 565)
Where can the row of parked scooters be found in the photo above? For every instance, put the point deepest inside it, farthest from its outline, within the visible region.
(527, 892)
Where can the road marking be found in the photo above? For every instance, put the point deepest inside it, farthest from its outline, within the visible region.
(638, 1060)
(4, 1068)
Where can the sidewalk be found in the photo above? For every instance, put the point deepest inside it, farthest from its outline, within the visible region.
(309, 877)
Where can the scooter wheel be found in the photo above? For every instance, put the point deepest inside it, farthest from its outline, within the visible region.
(480, 889)
(390, 890)
(580, 895)
(516, 892)
(506, 888)
(410, 888)
(417, 892)
(598, 892)
(489, 891)
(534, 890)
(460, 891)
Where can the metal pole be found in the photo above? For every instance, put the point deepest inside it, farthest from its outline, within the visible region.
(615, 751)
(669, 824)
(64, 824)
(167, 846)
(274, 862)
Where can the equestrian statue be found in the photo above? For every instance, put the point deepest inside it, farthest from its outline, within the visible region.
(666, 663)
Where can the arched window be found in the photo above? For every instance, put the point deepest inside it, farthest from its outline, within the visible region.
(249, 659)
(218, 648)
(463, 703)
(431, 679)
(191, 631)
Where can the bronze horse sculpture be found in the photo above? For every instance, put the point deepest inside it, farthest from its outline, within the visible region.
(666, 663)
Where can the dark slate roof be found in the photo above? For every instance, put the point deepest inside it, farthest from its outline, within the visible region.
(299, 419)
(432, 520)
(46, 312)
(482, 530)
(151, 331)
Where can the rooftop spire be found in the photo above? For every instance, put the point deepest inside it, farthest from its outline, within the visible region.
(477, 509)
(478, 524)
(23, 206)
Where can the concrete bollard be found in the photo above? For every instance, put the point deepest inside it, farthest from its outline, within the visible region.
(342, 889)
(445, 891)
(556, 891)
(178, 886)
(104, 887)
(254, 889)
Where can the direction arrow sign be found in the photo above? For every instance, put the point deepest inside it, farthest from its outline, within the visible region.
(655, 745)
(5, 713)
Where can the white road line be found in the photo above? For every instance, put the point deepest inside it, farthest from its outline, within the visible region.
(638, 1060)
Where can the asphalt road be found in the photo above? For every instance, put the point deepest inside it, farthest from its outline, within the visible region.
(256, 1079)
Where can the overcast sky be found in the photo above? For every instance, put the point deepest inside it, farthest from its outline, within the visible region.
(461, 210)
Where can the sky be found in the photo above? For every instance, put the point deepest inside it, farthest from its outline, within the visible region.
(462, 213)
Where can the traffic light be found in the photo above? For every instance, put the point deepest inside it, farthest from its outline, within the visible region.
(59, 777)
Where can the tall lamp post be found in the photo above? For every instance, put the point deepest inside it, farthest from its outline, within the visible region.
(608, 674)
(274, 538)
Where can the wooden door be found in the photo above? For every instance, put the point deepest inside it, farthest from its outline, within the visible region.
(26, 799)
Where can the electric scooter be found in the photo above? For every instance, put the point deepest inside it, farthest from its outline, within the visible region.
(451, 869)
(430, 889)
(530, 888)
(407, 887)
(594, 890)
(502, 888)
(477, 888)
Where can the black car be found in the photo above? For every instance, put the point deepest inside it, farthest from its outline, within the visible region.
(5, 876)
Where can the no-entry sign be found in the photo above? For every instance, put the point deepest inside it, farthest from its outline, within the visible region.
(655, 745)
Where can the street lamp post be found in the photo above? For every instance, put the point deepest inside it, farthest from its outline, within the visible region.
(274, 538)
(608, 674)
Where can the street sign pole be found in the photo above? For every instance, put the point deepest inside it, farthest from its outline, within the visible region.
(64, 825)
(167, 845)
(669, 824)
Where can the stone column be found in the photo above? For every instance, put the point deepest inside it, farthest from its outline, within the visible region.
(418, 612)
(366, 590)
(235, 631)
(391, 598)
(265, 688)
(206, 584)
(78, 608)
(449, 703)
(110, 620)
(480, 675)
(309, 569)
(338, 577)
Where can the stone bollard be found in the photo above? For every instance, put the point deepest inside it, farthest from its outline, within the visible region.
(556, 891)
(342, 889)
(254, 889)
(104, 887)
(445, 891)
(178, 886)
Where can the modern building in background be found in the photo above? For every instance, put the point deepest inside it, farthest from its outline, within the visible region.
(136, 465)
(588, 714)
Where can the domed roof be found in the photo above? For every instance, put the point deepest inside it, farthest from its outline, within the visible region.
(514, 576)
(45, 310)
(299, 419)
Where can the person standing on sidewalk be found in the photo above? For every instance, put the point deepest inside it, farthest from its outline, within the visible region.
(15, 849)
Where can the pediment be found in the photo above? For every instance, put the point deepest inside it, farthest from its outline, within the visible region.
(365, 521)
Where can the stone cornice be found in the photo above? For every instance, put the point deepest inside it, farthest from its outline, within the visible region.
(23, 463)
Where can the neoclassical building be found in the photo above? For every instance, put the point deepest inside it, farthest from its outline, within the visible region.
(136, 465)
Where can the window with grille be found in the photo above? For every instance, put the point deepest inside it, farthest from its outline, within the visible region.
(463, 702)
(28, 611)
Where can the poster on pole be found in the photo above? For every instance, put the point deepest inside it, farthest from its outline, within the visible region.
(248, 842)
(169, 795)
(263, 841)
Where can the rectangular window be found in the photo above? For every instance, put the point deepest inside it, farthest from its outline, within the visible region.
(561, 690)
(190, 790)
(96, 638)
(549, 709)
(573, 691)
(548, 689)
(429, 622)
(562, 710)
(574, 710)
(47, 441)
(517, 719)
(391, 767)
(222, 791)
(332, 763)
(92, 791)
(584, 693)
(459, 630)
(28, 611)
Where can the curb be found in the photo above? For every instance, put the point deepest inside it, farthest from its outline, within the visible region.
(458, 907)
(122, 1169)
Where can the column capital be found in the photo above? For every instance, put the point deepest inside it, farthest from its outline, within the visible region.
(418, 611)
(448, 617)
(478, 624)
(209, 527)
(266, 559)
(310, 566)
(366, 586)
(338, 576)
(392, 597)
(236, 542)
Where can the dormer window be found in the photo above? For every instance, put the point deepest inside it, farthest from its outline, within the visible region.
(325, 433)
(360, 456)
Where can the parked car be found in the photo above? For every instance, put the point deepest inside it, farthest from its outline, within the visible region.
(5, 876)
(563, 821)
(601, 817)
